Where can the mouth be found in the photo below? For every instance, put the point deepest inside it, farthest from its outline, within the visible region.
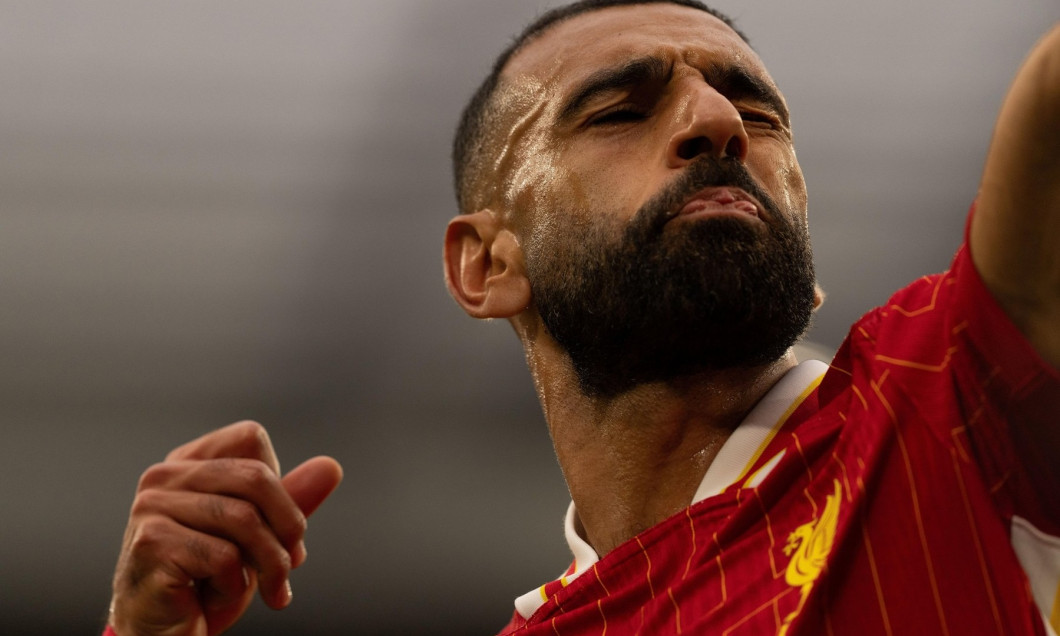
(721, 200)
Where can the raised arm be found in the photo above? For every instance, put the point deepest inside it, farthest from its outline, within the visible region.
(1015, 234)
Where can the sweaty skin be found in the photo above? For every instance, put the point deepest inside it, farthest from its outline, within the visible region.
(619, 167)
(1015, 234)
(633, 460)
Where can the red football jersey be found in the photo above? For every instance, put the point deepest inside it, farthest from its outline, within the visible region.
(916, 490)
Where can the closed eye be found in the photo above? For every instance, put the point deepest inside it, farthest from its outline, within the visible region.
(619, 115)
(757, 118)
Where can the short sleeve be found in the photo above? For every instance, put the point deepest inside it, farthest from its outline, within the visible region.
(1011, 400)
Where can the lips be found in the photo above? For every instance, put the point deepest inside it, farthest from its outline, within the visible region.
(721, 200)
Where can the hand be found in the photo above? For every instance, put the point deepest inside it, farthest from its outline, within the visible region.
(208, 526)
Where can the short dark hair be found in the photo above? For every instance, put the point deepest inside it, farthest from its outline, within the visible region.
(470, 144)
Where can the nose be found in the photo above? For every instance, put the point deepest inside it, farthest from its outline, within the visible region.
(709, 125)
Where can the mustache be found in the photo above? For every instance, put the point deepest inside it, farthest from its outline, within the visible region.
(705, 172)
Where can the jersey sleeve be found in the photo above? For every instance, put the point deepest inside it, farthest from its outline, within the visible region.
(1011, 402)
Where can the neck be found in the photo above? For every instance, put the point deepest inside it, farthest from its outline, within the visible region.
(632, 461)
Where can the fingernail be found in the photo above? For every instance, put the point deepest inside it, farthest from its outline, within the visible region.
(287, 593)
(300, 554)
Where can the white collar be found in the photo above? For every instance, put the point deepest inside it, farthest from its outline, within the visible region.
(731, 464)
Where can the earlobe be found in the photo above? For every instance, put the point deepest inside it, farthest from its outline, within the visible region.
(484, 266)
(818, 296)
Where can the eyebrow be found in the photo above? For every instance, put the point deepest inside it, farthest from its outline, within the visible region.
(637, 72)
(736, 81)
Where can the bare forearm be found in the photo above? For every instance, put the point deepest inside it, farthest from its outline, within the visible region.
(1016, 231)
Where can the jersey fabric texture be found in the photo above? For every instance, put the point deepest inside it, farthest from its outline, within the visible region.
(914, 490)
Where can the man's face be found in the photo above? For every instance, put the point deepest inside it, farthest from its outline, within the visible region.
(649, 170)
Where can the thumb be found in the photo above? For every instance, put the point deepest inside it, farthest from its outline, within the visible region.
(310, 483)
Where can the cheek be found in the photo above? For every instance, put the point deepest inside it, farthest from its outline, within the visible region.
(552, 187)
(784, 181)
(795, 189)
(542, 182)
(526, 167)
(533, 177)
(528, 186)
(541, 194)
(613, 179)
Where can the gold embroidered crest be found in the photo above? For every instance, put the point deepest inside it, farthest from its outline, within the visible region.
(809, 546)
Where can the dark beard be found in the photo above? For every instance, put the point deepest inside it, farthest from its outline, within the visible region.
(654, 305)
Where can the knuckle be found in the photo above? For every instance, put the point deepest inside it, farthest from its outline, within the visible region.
(146, 501)
(214, 507)
(252, 436)
(155, 475)
(256, 475)
(282, 559)
(292, 531)
(245, 515)
(298, 528)
(224, 555)
(223, 465)
(245, 478)
(149, 536)
(251, 474)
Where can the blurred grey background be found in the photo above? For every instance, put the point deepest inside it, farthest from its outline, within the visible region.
(212, 211)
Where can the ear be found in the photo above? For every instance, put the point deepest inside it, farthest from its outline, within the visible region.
(818, 296)
(484, 268)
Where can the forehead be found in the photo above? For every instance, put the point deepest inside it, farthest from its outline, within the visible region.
(575, 48)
